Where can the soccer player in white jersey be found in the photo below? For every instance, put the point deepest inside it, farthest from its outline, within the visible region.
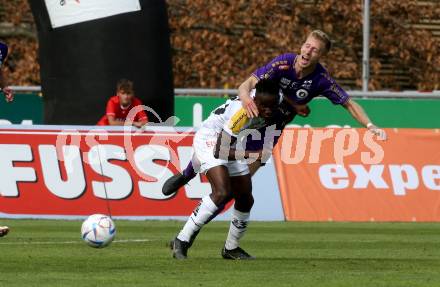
(217, 153)
(9, 97)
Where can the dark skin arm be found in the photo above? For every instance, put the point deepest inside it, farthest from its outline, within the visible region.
(248, 103)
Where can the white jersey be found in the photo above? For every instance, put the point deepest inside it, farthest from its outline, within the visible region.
(230, 117)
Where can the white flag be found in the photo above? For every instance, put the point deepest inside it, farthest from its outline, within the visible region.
(68, 12)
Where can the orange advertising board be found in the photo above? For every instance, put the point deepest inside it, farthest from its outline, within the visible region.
(348, 175)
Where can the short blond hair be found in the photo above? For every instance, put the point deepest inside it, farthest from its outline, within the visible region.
(320, 35)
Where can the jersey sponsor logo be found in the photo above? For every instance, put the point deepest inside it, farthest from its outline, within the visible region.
(238, 121)
(267, 75)
(336, 90)
(279, 63)
(293, 85)
(284, 82)
(302, 94)
(307, 84)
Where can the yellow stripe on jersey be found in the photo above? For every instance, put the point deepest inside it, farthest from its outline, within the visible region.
(238, 121)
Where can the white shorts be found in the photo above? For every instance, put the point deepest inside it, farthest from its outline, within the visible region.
(203, 158)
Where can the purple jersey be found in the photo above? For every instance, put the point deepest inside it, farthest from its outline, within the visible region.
(282, 70)
(3, 53)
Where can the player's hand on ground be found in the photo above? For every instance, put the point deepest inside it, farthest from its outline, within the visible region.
(9, 95)
(380, 133)
(250, 107)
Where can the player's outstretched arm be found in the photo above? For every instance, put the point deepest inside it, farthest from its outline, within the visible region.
(361, 116)
(243, 93)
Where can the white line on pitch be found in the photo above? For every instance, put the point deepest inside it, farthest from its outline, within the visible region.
(68, 242)
(133, 240)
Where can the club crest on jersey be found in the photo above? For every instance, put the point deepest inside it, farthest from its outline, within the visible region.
(238, 121)
(307, 84)
(302, 93)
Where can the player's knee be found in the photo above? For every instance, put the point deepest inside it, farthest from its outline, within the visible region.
(244, 203)
(221, 196)
(249, 201)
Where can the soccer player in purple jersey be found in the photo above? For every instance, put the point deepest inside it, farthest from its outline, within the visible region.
(301, 78)
(9, 96)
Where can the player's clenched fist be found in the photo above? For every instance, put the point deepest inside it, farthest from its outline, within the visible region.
(380, 133)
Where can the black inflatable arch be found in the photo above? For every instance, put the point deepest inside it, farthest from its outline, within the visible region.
(81, 63)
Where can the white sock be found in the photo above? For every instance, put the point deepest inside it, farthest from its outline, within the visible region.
(237, 228)
(198, 218)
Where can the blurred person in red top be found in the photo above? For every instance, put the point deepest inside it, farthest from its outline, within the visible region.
(119, 106)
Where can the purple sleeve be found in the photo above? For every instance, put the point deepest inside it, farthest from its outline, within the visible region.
(3, 52)
(332, 91)
(271, 70)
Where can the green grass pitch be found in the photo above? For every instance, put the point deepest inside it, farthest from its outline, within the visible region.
(50, 253)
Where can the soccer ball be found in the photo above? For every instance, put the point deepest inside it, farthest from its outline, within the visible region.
(98, 230)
